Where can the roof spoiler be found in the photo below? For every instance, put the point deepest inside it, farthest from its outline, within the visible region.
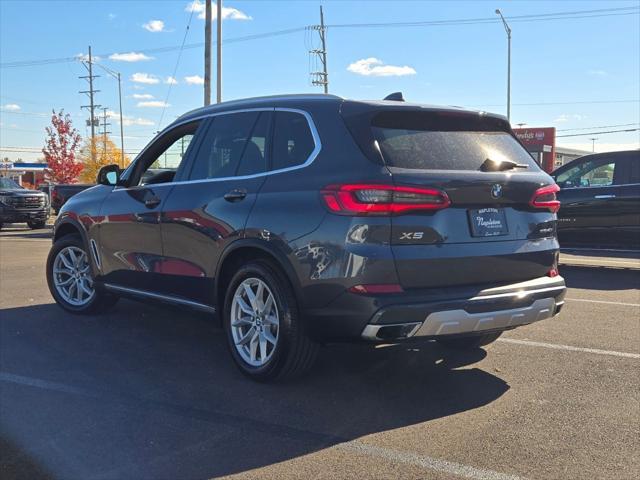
(395, 97)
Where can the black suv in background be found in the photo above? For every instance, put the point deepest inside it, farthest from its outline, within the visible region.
(20, 205)
(600, 200)
(307, 219)
(61, 193)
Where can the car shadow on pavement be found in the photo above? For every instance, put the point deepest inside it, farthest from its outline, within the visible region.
(600, 278)
(147, 392)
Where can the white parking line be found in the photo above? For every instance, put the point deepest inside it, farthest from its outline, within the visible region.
(436, 464)
(603, 302)
(570, 348)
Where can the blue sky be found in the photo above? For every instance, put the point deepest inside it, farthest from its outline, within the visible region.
(585, 71)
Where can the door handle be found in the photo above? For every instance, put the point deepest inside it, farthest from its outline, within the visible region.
(604, 196)
(235, 195)
(152, 202)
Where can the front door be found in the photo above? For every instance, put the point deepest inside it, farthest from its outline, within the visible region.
(209, 210)
(130, 244)
(588, 202)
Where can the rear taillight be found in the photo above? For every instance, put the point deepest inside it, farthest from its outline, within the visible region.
(372, 199)
(545, 197)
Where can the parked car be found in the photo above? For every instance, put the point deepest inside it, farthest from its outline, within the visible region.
(305, 219)
(20, 205)
(62, 192)
(600, 196)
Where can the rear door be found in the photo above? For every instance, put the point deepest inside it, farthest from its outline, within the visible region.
(209, 209)
(489, 233)
(129, 232)
(627, 191)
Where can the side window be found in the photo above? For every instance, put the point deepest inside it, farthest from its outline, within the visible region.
(161, 162)
(292, 140)
(634, 170)
(588, 174)
(235, 144)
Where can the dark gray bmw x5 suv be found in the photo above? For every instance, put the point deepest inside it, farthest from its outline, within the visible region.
(305, 219)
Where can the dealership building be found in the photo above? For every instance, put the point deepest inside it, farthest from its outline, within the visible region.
(541, 144)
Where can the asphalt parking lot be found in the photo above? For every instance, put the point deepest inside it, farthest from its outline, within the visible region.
(149, 393)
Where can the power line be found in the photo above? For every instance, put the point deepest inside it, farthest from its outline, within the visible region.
(599, 133)
(593, 128)
(175, 69)
(576, 14)
(535, 104)
(603, 12)
(245, 38)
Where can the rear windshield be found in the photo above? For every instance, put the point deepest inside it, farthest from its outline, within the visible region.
(420, 143)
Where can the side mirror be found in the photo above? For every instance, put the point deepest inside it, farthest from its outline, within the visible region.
(109, 175)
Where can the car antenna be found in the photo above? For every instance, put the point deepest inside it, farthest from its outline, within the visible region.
(395, 96)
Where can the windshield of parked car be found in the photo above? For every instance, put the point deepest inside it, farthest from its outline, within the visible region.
(9, 184)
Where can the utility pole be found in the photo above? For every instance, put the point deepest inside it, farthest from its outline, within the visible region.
(593, 144)
(508, 30)
(207, 54)
(321, 77)
(93, 122)
(104, 132)
(219, 51)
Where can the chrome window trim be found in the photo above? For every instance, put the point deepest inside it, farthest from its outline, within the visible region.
(613, 185)
(312, 156)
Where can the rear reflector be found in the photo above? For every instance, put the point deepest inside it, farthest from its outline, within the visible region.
(372, 199)
(553, 273)
(376, 289)
(545, 197)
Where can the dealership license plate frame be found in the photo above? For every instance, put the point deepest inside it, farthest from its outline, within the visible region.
(488, 222)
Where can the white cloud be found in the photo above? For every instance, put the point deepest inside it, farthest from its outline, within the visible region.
(598, 73)
(372, 67)
(84, 57)
(194, 80)
(153, 104)
(144, 78)
(154, 26)
(142, 96)
(565, 117)
(111, 16)
(128, 120)
(171, 81)
(228, 13)
(11, 107)
(129, 57)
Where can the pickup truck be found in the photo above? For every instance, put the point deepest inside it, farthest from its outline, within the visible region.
(20, 205)
(62, 192)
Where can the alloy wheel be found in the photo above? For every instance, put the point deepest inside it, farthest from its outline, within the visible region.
(72, 276)
(255, 323)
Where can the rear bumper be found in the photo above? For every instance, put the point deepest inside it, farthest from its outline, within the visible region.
(493, 309)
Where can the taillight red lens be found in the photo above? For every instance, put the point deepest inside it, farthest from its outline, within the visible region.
(553, 272)
(372, 199)
(545, 197)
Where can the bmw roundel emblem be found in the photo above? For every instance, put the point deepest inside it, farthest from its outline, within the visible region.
(496, 190)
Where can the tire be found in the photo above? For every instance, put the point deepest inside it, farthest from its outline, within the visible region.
(470, 342)
(37, 225)
(293, 352)
(98, 302)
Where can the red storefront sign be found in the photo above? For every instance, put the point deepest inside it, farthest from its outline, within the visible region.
(541, 143)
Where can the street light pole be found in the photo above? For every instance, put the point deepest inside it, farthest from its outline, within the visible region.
(593, 144)
(508, 30)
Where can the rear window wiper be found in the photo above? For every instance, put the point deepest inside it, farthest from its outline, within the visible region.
(490, 165)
